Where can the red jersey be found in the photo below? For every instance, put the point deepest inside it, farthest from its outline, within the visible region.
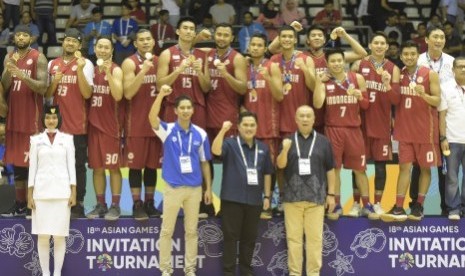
(138, 108)
(297, 96)
(320, 66)
(24, 105)
(416, 120)
(343, 110)
(187, 83)
(260, 101)
(73, 106)
(378, 114)
(222, 101)
(104, 110)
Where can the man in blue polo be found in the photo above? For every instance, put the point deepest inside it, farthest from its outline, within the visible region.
(186, 152)
(246, 177)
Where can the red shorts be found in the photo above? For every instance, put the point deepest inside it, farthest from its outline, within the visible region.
(425, 155)
(199, 117)
(143, 152)
(348, 147)
(378, 149)
(273, 145)
(17, 146)
(104, 150)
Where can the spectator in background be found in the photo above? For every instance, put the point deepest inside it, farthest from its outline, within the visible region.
(174, 9)
(241, 6)
(329, 17)
(94, 29)
(26, 21)
(207, 23)
(434, 21)
(162, 31)
(5, 169)
(396, 6)
(199, 10)
(406, 27)
(137, 13)
(393, 54)
(40, 12)
(290, 12)
(222, 13)
(5, 36)
(392, 26)
(270, 19)
(449, 10)
(11, 10)
(453, 45)
(420, 39)
(81, 14)
(123, 30)
(249, 28)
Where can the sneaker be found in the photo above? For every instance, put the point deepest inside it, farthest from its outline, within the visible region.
(16, 210)
(138, 211)
(149, 207)
(355, 211)
(378, 209)
(337, 212)
(266, 214)
(206, 211)
(395, 214)
(278, 211)
(113, 213)
(369, 211)
(416, 212)
(454, 216)
(99, 211)
(77, 211)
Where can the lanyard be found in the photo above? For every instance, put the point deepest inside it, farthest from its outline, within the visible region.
(223, 57)
(189, 148)
(253, 73)
(243, 156)
(191, 51)
(431, 65)
(287, 70)
(99, 30)
(121, 27)
(338, 83)
(162, 36)
(376, 64)
(414, 79)
(311, 147)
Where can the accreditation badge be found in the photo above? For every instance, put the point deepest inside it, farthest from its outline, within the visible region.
(252, 177)
(304, 166)
(186, 164)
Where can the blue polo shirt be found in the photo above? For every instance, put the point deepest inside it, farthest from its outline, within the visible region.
(124, 27)
(234, 186)
(169, 134)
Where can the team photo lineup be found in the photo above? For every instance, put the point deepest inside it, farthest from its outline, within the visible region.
(273, 116)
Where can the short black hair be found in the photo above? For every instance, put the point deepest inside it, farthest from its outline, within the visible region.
(395, 43)
(316, 27)
(454, 64)
(163, 12)
(181, 98)
(186, 19)
(142, 30)
(432, 29)
(333, 51)
(379, 33)
(225, 25)
(287, 28)
(105, 37)
(247, 12)
(244, 114)
(409, 44)
(261, 36)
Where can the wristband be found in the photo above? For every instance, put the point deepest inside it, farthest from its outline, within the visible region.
(333, 195)
(266, 197)
(442, 138)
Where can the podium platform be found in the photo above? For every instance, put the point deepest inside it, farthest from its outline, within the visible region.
(434, 246)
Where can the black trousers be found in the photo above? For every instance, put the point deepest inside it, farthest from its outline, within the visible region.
(240, 224)
(80, 145)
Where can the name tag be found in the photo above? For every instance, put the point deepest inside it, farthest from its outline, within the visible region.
(304, 166)
(186, 164)
(252, 177)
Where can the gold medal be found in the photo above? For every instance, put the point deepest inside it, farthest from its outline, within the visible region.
(253, 93)
(148, 56)
(15, 56)
(412, 85)
(99, 62)
(192, 58)
(288, 86)
(379, 70)
(446, 152)
(333, 36)
(77, 54)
